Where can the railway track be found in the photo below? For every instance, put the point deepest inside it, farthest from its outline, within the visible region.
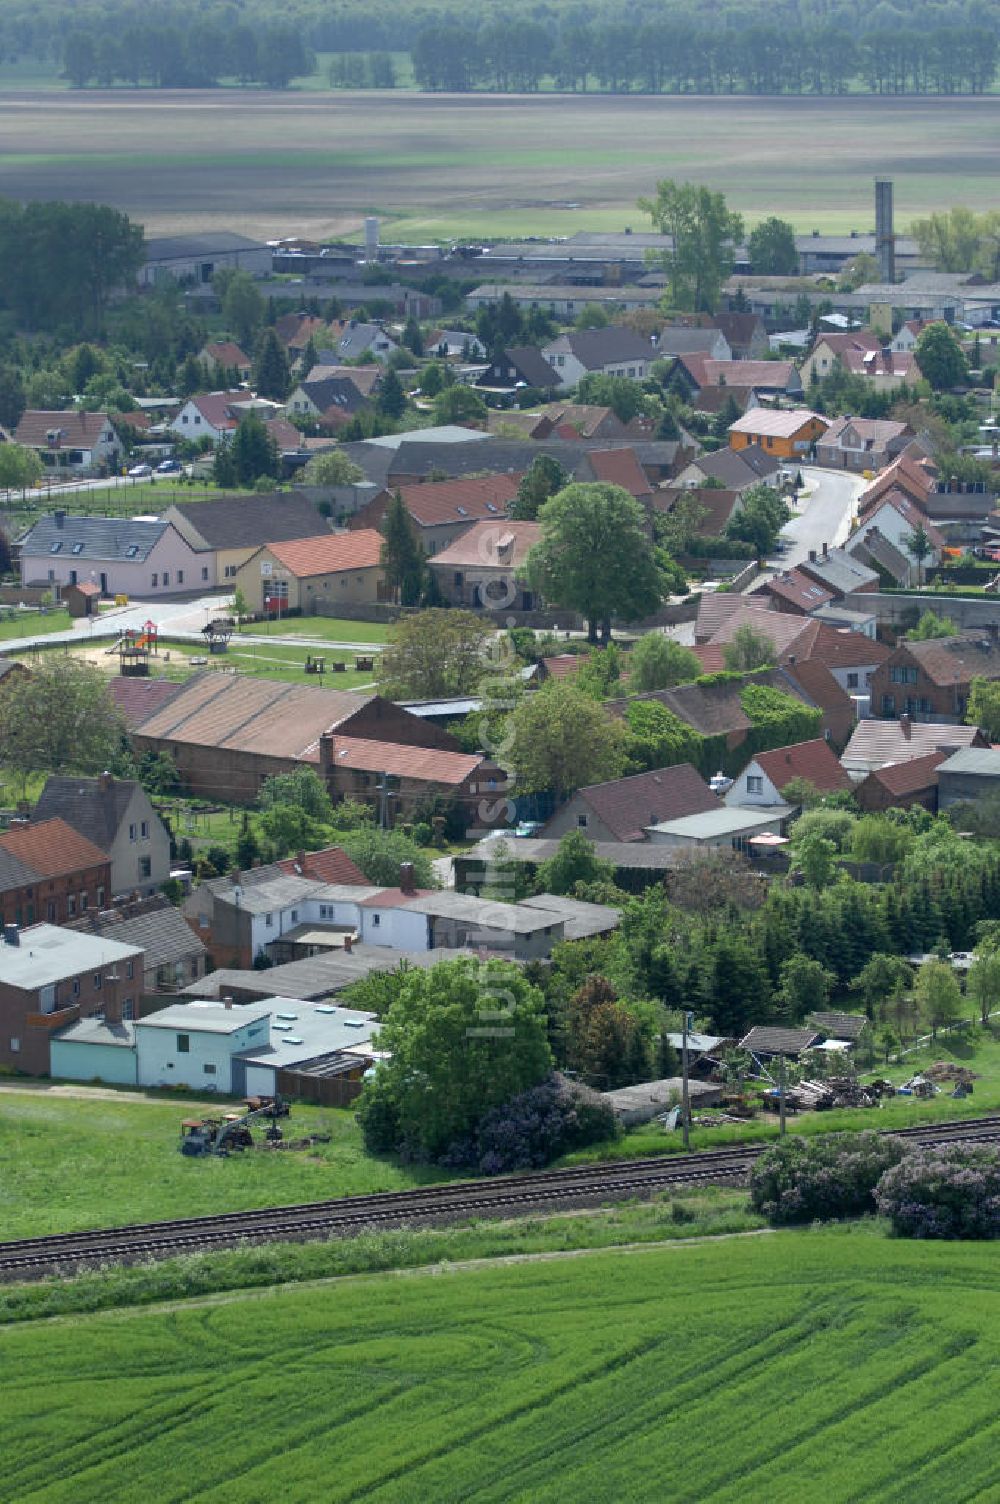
(502, 1196)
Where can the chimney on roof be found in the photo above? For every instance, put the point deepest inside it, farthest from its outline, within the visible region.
(11, 935)
(326, 752)
(104, 781)
(812, 556)
(300, 860)
(227, 1003)
(234, 877)
(406, 881)
(826, 550)
(348, 942)
(60, 519)
(905, 726)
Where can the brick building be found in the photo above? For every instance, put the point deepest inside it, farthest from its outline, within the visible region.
(930, 681)
(51, 977)
(48, 871)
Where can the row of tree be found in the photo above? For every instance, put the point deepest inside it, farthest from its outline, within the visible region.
(195, 56)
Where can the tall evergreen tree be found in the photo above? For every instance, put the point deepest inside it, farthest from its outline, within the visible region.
(271, 374)
(402, 556)
(391, 397)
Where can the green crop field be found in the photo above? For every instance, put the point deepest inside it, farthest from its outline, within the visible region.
(437, 166)
(831, 1364)
(69, 1163)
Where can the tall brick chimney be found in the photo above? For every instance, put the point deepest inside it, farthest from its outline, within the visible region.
(406, 882)
(906, 725)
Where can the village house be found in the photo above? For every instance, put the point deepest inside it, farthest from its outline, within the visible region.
(885, 370)
(226, 530)
(227, 356)
(48, 871)
(967, 775)
(894, 519)
(789, 434)
(793, 592)
(771, 378)
(744, 333)
(519, 366)
(876, 744)
(215, 416)
(121, 556)
(900, 785)
(861, 443)
(305, 574)
(454, 344)
(485, 567)
(441, 511)
(837, 571)
(763, 781)
(829, 350)
(687, 339)
(71, 441)
(734, 469)
(172, 953)
(623, 809)
(930, 681)
(611, 351)
(329, 402)
(357, 339)
(117, 816)
(50, 977)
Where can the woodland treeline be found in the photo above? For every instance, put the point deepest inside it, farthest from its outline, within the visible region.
(792, 49)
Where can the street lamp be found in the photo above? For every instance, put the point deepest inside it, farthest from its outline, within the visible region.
(685, 1094)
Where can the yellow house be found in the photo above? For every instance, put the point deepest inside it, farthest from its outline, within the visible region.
(787, 433)
(332, 568)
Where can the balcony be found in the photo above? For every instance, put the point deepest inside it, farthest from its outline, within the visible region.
(57, 1019)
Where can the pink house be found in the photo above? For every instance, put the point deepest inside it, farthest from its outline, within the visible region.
(133, 557)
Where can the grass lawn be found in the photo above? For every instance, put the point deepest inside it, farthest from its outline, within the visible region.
(747, 1368)
(327, 628)
(264, 661)
(69, 1163)
(15, 623)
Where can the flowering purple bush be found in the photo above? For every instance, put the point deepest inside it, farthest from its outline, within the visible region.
(953, 1192)
(535, 1127)
(831, 1175)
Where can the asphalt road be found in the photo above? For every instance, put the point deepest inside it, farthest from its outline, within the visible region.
(823, 517)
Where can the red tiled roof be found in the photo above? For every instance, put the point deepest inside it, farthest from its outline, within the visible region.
(873, 363)
(813, 760)
(838, 647)
(765, 375)
(475, 499)
(138, 699)
(914, 479)
(619, 467)
(79, 430)
(52, 848)
(215, 407)
(225, 352)
(329, 553)
(627, 805)
(393, 898)
(954, 660)
(565, 665)
(710, 656)
(821, 687)
(424, 764)
(911, 776)
(331, 865)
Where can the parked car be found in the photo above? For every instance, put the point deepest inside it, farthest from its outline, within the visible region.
(169, 467)
(140, 472)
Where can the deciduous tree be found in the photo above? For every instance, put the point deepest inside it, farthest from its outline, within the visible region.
(657, 662)
(704, 233)
(594, 557)
(562, 740)
(435, 654)
(59, 718)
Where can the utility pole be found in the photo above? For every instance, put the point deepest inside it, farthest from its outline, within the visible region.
(685, 1094)
(781, 1095)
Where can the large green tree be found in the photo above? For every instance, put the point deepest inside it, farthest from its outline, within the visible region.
(243, 307)
(562, 740)
(657, 662)
(984, 707)
(59, 719)
(19, 467)
(772, 248)
(543, 478)
(940, 357)
(462, 1038)
(704, 233)
(435, 654)
(594, 557)
(332, 468)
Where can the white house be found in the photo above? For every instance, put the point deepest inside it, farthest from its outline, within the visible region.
(611, 351)
(217, 415)
(192, 1044)
(365, 339)
(766, 776)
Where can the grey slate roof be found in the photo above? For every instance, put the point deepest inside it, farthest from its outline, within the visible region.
(730, 467)
(14, 873)
(246, 521)
(212, 242)
(839, 1025)
(595, 348)
(125, 539)
(982, 761)
(163, 933)
(334, 391)
(581, 920)
(512, 917)
(95, 812)
(316, 976)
